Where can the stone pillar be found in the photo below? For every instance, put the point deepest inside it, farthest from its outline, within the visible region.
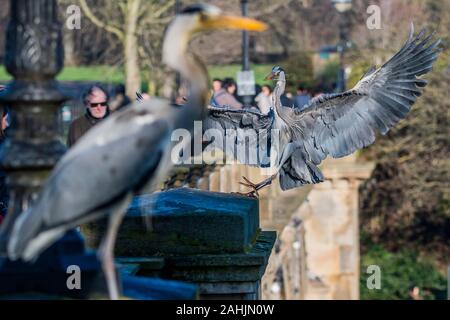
(225, 179)
(214, 180)
(286, 273)
(332, 230)
(210, 239)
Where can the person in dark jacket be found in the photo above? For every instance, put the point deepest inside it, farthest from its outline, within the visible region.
(120, 100)
(4, 191)
(97, 109)
(302, 99)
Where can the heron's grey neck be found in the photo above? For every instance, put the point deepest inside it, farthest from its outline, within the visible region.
(278, 91)
(176, 56)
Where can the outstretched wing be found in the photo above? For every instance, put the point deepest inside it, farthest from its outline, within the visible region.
(243, 135)
(339, 124)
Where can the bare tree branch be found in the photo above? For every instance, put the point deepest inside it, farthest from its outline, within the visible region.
(91, 16)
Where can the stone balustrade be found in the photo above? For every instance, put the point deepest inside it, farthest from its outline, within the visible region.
(317, 253)
(210, 239)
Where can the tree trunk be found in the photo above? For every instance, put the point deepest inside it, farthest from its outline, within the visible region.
(132, 72)
(69, 48)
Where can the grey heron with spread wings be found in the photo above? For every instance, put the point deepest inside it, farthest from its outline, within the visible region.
(127, 153)
(331, 125)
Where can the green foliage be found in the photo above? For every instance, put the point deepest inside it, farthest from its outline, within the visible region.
(405, 203)
(299, 69)
(225, 71)
(326, 80)
(359, 68)
(399, 272)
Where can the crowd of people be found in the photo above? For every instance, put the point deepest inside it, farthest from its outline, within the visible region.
(224, 95)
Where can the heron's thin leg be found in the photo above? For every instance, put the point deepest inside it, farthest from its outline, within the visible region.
(287, 152)
(107, 256)
(256, 186)
(106, 250)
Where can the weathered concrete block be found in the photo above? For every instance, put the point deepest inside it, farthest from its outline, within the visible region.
(184, 221)
(224, 276)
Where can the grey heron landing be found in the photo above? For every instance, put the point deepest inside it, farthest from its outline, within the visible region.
(336, 124)
(123, 155)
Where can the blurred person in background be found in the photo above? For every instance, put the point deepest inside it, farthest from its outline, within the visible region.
(97, 108)
(414, 293)
(287, 100)
(302, 98)
(264, 99)
(4, 192)
(225, 96)
(216, 85)
(120, 98)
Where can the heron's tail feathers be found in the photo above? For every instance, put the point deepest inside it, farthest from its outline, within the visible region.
(298, 171)
(18, 238)
(27, 239)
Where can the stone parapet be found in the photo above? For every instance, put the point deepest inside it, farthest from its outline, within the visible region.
(210, 239)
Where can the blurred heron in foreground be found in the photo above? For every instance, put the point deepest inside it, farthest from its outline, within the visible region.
(334, 124)
(125, 154)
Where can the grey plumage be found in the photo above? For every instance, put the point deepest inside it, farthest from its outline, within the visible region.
(95, 174)
(240, 122)
(339, 124)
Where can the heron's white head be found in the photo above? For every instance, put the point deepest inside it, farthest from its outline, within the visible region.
(275, 73)
(198, 18)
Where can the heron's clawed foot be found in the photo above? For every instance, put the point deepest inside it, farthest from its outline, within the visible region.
(254, 193)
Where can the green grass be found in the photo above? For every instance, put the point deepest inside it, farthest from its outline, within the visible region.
(115, 75)
(224, 71)
(94, 73)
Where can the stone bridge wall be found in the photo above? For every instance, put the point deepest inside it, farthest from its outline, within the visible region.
(317, 252)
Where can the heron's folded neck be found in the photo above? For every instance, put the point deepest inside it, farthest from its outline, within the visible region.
(277, 93)
(176, 56)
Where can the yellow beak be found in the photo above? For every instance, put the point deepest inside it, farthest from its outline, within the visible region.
(233, 22)
(270, 76)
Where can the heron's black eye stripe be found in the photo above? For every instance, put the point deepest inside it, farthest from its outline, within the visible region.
(193, 9)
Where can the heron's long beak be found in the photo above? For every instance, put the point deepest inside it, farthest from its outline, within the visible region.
(233, 22)
(270, 76)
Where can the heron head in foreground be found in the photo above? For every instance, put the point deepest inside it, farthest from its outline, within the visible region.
(199, 18)
(274, 74)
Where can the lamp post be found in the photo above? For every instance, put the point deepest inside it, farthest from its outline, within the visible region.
(342, 6)
(177, 75)
(247, 99)
(245, 44)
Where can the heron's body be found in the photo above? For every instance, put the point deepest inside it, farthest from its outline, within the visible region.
(336, 125)
(126, 154)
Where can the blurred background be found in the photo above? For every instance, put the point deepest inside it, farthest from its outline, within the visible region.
(325, 46)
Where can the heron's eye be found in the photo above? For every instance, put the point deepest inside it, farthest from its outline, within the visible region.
(203, 17)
